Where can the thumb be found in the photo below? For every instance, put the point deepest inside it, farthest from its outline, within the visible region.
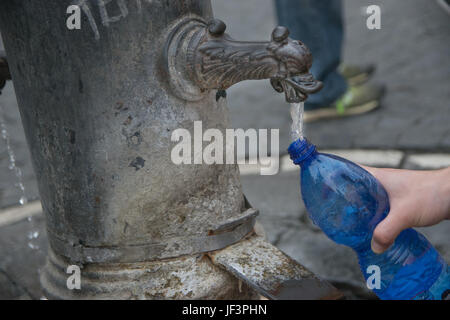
(386, 231)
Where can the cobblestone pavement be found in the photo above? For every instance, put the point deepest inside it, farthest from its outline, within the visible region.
(19, 263)
(412, 129)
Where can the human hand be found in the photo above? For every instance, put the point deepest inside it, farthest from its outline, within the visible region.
(417, 199)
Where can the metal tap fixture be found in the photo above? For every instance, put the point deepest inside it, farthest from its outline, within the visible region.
(99, 105)
(201, 56)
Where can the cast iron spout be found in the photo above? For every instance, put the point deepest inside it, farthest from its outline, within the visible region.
(207, 58)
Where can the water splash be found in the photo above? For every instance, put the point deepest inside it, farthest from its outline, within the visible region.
(32, 235)
(297, 110)
(12, 161)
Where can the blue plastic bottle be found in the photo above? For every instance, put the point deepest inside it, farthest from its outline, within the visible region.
(347, 202)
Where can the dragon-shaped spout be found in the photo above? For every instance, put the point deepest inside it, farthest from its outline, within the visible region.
(202, 56)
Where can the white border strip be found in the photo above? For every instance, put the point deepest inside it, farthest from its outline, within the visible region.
(429, 161)
(377, 158)
(14, 214)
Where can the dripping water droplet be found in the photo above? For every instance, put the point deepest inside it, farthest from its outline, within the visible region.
(23, 200)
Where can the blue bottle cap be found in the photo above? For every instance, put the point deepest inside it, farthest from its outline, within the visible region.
(300, 150)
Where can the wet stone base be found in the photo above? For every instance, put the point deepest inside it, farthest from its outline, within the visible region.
(289, 229)
(22, 266)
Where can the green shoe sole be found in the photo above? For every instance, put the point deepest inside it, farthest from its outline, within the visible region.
(356, 75)
(330, 113)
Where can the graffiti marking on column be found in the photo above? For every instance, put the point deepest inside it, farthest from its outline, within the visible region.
(105, 18)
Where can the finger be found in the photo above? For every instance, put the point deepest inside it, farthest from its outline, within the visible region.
(387, 231)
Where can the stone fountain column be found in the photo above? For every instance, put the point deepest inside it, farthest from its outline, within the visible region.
(99, 105)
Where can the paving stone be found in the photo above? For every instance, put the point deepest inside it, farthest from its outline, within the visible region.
(277, 213)
(439, 237)
(14, 214)
(427, 161)
(18, 261)
(376, 158)
(8, 289)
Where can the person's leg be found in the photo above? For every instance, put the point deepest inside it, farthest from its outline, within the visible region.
(318, 24)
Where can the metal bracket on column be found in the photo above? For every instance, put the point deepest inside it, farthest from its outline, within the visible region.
(271, 272)
(226, 233)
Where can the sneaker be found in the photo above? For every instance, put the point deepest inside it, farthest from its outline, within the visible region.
(357, 100)
(356, 75)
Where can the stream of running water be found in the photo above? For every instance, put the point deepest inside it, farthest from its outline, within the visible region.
(32, 232)
(297, 110)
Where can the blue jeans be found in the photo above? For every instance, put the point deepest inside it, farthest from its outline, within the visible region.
(318, 24)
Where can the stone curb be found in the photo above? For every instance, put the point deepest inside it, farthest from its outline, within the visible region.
(14, 214)
(376, 158)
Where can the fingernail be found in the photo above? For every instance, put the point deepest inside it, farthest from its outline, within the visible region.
(376, 247)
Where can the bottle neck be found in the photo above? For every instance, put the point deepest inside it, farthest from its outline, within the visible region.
(301, 150)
